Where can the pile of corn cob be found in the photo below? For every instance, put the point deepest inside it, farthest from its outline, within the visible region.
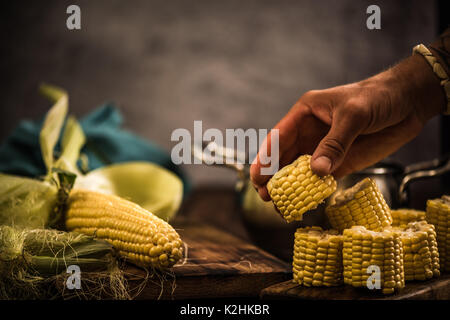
(361, 215)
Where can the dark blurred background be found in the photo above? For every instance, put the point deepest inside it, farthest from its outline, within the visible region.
(232, 64)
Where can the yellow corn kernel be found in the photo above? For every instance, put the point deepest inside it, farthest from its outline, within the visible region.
(401, 217)
(383, 249)
(139, 235)
(438, 214)
(295, 189)
(363, 204)
(317, 257)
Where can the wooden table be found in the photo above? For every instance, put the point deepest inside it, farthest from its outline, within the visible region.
(217, 265)
(435, 289)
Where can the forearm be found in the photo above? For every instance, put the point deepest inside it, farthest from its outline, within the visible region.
(410, 87)
(419, 87)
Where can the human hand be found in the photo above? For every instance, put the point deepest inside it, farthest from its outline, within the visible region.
(350, 127)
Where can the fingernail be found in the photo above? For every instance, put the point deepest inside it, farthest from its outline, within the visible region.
(323, 164)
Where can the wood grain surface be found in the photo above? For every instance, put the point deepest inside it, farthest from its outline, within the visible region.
(435, 289)
(218, 264)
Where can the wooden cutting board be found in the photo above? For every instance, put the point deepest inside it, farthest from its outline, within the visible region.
(435, 289)
(218, 264)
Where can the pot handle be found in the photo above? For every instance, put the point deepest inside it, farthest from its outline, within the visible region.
(423, 170)
(232, 159)
(424, 165)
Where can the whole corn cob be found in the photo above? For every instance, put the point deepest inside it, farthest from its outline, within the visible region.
(401, 217)
(295, 189)
(317, 257)
(137, 234)
(438, 214)
(361, 205)
(363, 248)
(420, 252)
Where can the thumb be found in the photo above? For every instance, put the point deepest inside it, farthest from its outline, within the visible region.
(332, 149)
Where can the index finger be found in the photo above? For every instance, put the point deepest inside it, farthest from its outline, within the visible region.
(287, 149)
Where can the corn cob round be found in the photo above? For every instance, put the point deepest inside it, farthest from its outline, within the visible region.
(401, 217)
(438, 214)
(138, 235)
(363, 248)
(295, 189)
(361, 205)
(317, 257)
(420, 252)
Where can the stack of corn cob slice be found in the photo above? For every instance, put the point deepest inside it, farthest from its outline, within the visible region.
(438, 214)
(408, 250)
(420, 252)
(317, 257)
(363, 249)
(295, 189)
(361, 205)
(401, 217)
(137, 234)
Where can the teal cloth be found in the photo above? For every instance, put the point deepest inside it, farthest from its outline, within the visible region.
(106, 143)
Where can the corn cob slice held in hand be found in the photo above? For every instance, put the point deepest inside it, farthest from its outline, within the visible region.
(361, 205)
(138, 235)
(401, 217)
(317, 257)
(438, 214)
(420, 252)
(363, 249)
(295, 189)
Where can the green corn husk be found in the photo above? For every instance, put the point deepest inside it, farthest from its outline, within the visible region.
(26, 202)
(34, 264)
(53, 123)
(29, 203)
(72, 141)
(65, 249)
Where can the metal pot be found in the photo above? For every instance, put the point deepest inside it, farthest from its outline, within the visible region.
(271, 232)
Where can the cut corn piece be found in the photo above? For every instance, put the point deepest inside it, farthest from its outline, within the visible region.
(401, 217)
(295, 189)
(317, 257)
(420, 252)
(137, 234)
(361, 205)
(363, 249)
(438, 214)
